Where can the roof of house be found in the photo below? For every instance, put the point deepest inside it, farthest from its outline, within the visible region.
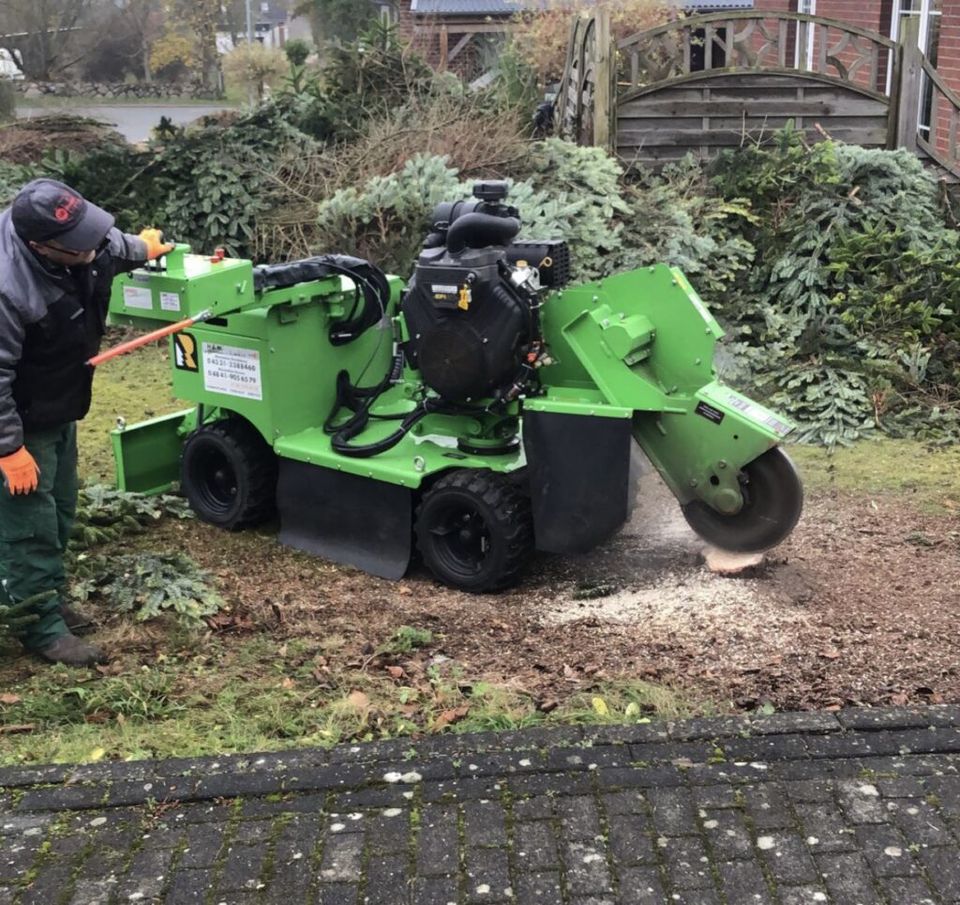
(508, 7)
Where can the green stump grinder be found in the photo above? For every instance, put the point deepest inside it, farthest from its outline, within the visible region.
(483, 411)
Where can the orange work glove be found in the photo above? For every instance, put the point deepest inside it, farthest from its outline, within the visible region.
(20, 471)
(156, 247)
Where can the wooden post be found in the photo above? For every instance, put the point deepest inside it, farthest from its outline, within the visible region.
(905, 92)
(444, 48)
(604, 64)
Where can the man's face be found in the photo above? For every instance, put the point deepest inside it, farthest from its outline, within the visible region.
(65, 257)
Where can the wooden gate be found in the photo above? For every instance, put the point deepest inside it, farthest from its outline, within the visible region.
(717, 81)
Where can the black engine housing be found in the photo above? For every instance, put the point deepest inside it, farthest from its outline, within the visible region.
(467, 323)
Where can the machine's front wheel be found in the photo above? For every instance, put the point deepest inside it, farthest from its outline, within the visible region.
(772, 502)
(228, 472)
(474, 530)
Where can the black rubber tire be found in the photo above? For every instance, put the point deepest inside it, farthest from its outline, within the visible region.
(474, 530)
(228, 473)
(773, 501)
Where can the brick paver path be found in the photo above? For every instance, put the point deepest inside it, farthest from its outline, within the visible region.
(860, 806)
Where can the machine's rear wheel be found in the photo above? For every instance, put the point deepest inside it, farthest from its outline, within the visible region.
(228, 472)
(772, 502)
(474, 530)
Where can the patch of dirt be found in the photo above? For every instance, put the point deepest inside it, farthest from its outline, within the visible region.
(28, 140)
(860, 606)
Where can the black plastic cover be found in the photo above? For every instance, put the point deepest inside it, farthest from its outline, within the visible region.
(578, 468)
(345, 518)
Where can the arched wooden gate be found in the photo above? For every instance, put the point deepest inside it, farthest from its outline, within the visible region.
(717, 81)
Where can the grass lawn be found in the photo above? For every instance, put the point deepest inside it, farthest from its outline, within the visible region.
(262, 680)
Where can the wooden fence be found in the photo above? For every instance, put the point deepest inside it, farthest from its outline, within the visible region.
(717, 81)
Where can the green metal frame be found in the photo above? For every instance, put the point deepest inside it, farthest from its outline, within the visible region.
(635, 346)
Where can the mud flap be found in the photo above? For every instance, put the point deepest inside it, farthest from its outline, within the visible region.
(148, 454)
(345, 518)
(578, 469)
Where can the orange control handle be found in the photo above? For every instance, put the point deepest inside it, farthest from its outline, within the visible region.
(134, 344)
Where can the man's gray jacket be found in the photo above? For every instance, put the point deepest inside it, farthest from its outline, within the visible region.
(52, 320)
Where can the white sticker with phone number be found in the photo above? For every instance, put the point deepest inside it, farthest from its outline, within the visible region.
(137, 297)
(232, 371)
(170, 301)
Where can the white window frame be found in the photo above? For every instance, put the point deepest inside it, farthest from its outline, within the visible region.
(926, 12)
(807, 8)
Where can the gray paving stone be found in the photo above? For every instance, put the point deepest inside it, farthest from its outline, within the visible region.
(630, 839)
(825, 828)
(943, 870)
(386, 877)
(787, 857)
(488, 875)
(484, 823)
(336, 894)
(848, 879)
(743, 881)
(673, 811)
(434, 891)
(7, 895)
(920, 823)
(242, 867)
(688, 866)
(802, 895)
(630, 802)
(810, 790)
(147, 874)
(389, 831)
(586, 868)
(540, 807)
(93, 892)
(189, 887)
(579, 817)
(885, 850)
(540, 888)
(860, 800)
(727, 834)
(907, 891)
(437, 847)
(641, 886)
(341, 858)
(535, 846)
(767, 807)
(202, 845)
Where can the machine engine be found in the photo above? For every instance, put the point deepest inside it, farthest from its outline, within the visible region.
(472, 305)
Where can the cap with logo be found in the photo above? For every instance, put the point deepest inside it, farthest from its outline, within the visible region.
(46, 209)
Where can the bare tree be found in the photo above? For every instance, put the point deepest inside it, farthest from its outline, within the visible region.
(45, 37)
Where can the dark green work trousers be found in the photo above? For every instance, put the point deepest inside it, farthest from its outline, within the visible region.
(35, 528)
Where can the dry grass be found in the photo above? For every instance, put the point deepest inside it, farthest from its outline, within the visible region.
(480, 139)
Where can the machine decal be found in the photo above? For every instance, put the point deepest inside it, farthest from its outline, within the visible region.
(185, 352)
(758, 413)
(232, 371)
(170, 301)
(709, 412)
(138, 297)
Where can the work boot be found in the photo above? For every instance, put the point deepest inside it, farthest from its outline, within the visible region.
(69, 649)
(77, 622)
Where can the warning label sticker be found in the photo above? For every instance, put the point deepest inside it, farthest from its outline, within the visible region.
(232, 371)
(170, 301)
(137, 297)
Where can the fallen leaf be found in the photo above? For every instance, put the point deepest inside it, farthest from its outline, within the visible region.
(287, 683)
(830, 653)
(358, 699)
(451, 716)
(396, 672)
(8, 698)
(547, 705)
(600, 706)
(96, 755)
(17, 727)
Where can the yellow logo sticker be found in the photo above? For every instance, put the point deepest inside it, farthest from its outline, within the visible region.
(185, 352)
